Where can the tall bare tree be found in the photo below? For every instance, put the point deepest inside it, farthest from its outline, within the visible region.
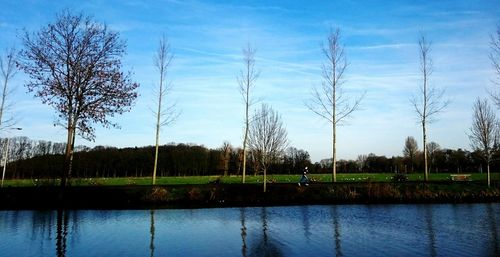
(483, 131)
(246, 82)
(165, 114)
(268, 137)
(495, 61)
(75, 66)
(410, 150)
(429, 102)
(7, 72)
(329, 101)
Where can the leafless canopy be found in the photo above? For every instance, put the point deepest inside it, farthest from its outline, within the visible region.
(429, 101)
(75, 66)
(410, 150)
(329, 101)
(495, 52)
(248, 76)
(7, 72)
(166, 113)
(411, 147)
(495, 61)
(268, 136)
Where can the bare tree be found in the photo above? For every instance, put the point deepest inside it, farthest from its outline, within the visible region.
(268, 137)
(329, 101)
(429, 102)
(410, 150)
(246, 82)
(75, 66)
(483, 131)
(495, 61)
(165, 114)
(7, 72)
(225, 153)
(432, 149)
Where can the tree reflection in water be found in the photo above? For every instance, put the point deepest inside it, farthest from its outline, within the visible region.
(305, 222)
(265, 245)
(430, 231)
(336, 231)
(243, 233)
(152, 232)
(62, 232)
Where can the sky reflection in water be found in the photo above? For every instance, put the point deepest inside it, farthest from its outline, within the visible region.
(343, 230)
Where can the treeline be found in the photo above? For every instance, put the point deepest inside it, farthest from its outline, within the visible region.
(440, 161)
(43, 159)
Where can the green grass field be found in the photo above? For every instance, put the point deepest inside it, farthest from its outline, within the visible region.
(363, 177)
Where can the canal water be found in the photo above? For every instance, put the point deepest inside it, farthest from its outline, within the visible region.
(326, 230)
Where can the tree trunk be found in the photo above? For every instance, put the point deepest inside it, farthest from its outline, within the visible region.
(488, 169)
(265, 180)
(334, 159)
(426, 173)
(68, 156)
(245, 138)
(156, 148)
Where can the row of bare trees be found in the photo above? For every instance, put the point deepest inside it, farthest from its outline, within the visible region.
(21, 148)
(74, 65)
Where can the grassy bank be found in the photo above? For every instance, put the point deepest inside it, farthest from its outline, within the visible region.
(226, 195)
(199, 180)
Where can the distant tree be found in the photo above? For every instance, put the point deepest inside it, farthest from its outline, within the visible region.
(225, 156)
(7, 72)
(75, 66)
(429, 102)
(432, 149)
(361, 161)
(165, 114)
(329, 102)
(246, 82)
(268, 137)
(410, 150)
(484, 131)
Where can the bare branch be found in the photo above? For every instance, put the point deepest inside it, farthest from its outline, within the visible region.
(495, 62)
(7, 72)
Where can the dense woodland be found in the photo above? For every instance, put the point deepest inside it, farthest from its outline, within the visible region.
(44, 159)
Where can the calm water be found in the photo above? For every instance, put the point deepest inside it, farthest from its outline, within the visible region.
(343, 230)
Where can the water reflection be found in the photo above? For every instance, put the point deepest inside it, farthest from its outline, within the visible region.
(152, 232)
(62, 232)
(430, 231)
(265, 245)
(243, 233)
(305, 222)
(336, 231)
(345, 230)
(493, 228)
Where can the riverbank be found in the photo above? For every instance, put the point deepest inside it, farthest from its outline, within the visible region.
(229, 195)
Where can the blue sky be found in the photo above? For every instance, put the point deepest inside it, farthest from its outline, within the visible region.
(380, 38)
